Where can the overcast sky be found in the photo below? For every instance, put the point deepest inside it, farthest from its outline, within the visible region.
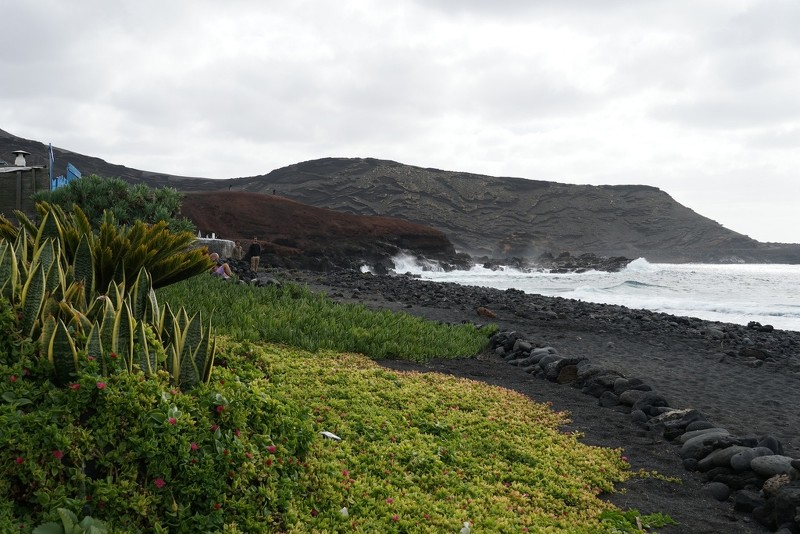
(700, 98)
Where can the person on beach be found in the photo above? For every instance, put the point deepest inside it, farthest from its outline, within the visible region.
(221, 269)
(238, 252)
(255, 255)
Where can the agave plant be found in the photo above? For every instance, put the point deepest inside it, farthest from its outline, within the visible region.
(54, 273)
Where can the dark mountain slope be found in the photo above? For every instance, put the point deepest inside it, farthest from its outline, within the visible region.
(518, 217)
(482, 215)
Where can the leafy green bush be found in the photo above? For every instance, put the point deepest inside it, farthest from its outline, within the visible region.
(145, 457)
(295, 316)
(129, 203)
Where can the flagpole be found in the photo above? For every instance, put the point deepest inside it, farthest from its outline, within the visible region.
(52, 162)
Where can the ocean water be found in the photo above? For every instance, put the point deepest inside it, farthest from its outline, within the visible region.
(766, 293)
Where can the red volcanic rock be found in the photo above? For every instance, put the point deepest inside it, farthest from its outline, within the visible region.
(312, 237)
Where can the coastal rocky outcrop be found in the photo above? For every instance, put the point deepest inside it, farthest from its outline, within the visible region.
(562, 263)
(751, 471)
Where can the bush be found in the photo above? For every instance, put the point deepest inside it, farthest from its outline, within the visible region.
(129, 203)
(142, 456)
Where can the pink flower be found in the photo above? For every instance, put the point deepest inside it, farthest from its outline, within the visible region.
(395, 517)
(159, 482)
(237, 432)
(214, 428)
(345, 473)
(220, 408)
(20, 459)
(272, 449)
(389, 500)
(113, 355)
(172, 420)
(101, 385)
(90, 358)
(58, 454)
(13, 378)
(173, 391)
(217, 506)
(193, 446)
(75, 387)
(249, 455)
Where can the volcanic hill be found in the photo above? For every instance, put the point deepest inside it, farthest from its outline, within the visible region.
(481, 215)
(297, 235)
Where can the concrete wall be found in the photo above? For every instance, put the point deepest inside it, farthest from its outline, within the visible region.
(16, 188)
(223, 247)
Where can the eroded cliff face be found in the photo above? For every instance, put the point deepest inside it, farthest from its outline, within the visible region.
(297, 235)
(506, 217)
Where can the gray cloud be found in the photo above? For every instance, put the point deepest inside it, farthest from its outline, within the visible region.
(690, 96)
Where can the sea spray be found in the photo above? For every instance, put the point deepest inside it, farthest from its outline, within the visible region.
(733, 293)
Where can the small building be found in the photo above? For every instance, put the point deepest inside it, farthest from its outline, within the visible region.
(18, 182)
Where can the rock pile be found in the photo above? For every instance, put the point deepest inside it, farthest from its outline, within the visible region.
(753, 471)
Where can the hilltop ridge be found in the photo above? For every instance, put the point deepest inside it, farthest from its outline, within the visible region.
(497, 217)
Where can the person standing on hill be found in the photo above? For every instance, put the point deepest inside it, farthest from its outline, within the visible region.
(238, 252)
(255, 254)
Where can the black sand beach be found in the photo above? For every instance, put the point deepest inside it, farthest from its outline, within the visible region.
(742, 379)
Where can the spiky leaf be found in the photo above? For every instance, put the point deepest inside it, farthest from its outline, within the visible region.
(61, 353)
(32, 299)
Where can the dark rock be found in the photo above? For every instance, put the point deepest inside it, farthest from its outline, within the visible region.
(747, 500)
(719, 491)
(608, 399)
(568, 374)
(720, 457)
(771, 443)
(741, 461)
(631, 396)
(769, 466)
(649, 401)
(638, 416)
(782, 508)
(699, 425)
(622, 385)
(734, 480)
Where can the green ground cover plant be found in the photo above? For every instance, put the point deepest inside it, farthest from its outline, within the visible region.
(294, 315)
(429, 453)
(103, 430)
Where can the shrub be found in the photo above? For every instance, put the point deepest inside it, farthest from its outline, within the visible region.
(129, 203)
(142, 456)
